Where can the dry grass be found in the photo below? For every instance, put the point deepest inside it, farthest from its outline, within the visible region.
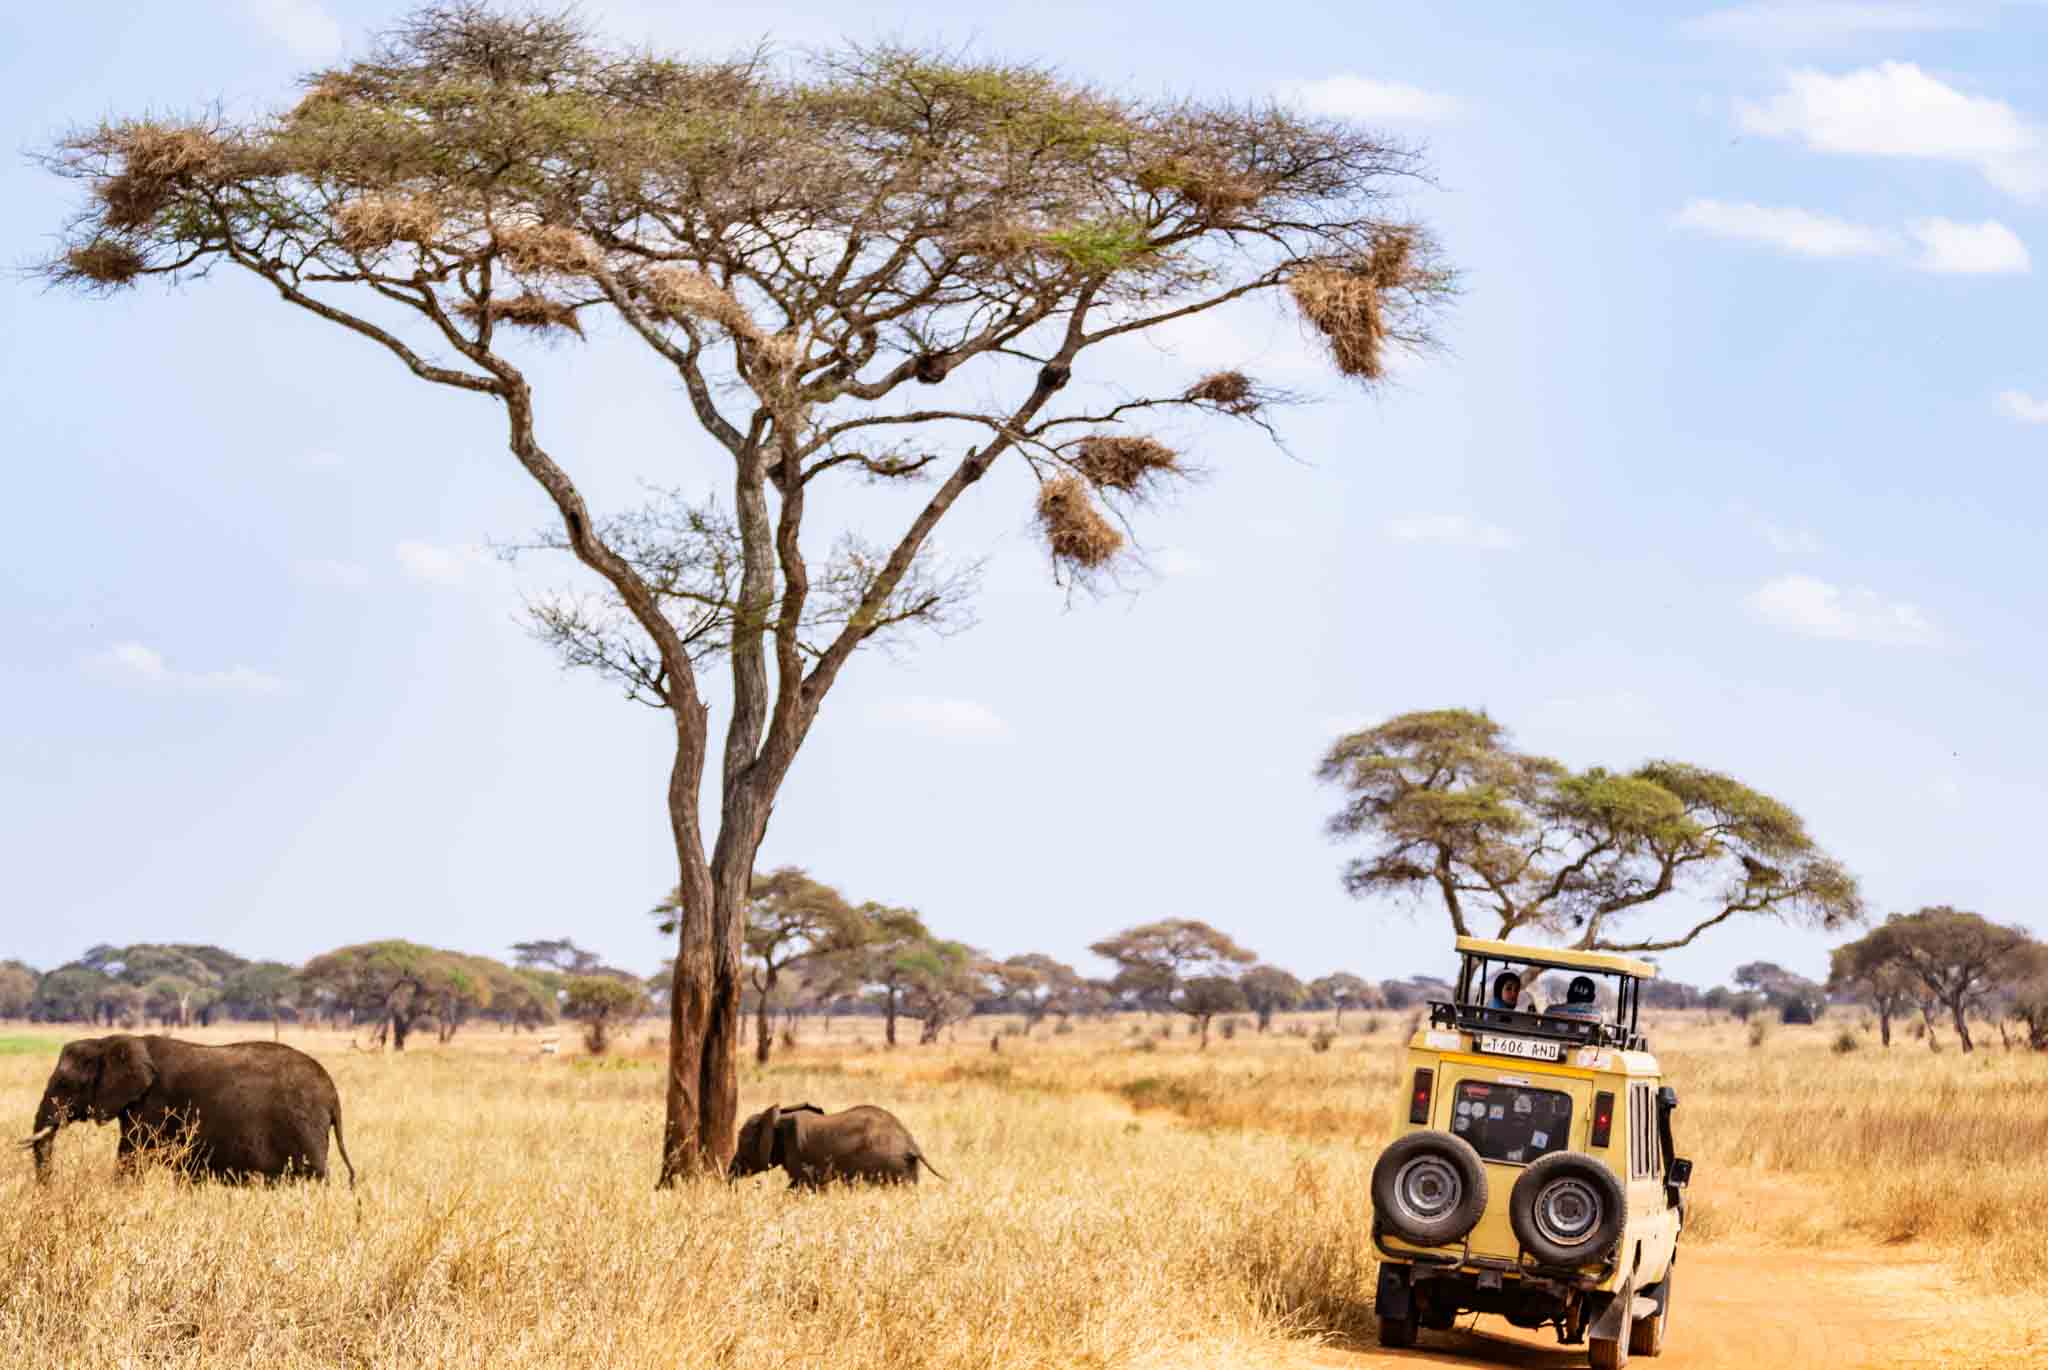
(105, 262)
(1075, 530)
(1127, 465)
(1108, 1206)
(154, 158)
(999, 240)
(1230, 391)
(1344, 301)
(375, 222)
(1214, 191)
(685, 292)
(547, 250)
(530, 310)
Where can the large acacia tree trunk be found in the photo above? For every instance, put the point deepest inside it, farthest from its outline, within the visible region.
(1956, 1007)
(763, 1037)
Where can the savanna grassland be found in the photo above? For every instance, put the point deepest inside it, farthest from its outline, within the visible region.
(1114, 1200)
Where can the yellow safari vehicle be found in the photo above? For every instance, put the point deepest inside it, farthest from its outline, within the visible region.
(1533, 1175)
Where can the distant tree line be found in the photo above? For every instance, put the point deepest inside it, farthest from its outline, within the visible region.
(813, 953)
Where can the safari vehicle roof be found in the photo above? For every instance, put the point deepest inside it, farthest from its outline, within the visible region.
(1556, 958)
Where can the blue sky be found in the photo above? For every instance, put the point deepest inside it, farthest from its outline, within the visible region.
(1737, 456)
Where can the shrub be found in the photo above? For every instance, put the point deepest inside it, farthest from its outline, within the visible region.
(1062, 1028)
(1322, 1040)
(1845, 1042)
(1759, 1029)
(1145, 1044)
(1370, 1025)
(1229, 1028)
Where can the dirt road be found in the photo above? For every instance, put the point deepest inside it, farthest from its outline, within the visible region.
(1747, 1307)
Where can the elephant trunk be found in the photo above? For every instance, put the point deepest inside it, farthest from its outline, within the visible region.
(50, 1116)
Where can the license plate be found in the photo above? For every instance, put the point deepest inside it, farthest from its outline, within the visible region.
(1523, 1047)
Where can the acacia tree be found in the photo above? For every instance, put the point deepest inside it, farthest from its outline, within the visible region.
(792, 921)
(1522, 840)
(261, 987)
(383, 982)
(1269, 990)
(1957, 958)
(1039, 985)
(602, 1003)
(1178, 962)
(1203, 997)
(1341, 990)
(941, 980)
(802, 246)
(17, 989)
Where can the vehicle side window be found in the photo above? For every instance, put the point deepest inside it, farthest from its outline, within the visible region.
(1643, 1122)
(1638, 1132)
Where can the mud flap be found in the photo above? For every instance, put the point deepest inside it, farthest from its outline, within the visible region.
(1613, 1322)
(1393, 1298)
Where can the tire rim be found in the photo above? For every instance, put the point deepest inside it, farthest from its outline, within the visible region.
(1427, 1188)
(1567, 1211)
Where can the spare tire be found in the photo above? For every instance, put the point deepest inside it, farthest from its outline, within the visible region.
(1429, 1188)
(1567, 1209)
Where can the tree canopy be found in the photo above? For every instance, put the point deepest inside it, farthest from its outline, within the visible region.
(1517, 843)
(1956, 958)
(1162, 964)
(802, 245)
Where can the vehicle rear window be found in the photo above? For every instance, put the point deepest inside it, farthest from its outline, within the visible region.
(1511, 1122)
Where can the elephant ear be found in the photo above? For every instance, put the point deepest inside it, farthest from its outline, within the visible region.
(787, 1130)
(125, 1075)
(766, 1138)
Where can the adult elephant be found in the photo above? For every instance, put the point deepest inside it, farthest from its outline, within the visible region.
(253, 1109)
(814, 1147)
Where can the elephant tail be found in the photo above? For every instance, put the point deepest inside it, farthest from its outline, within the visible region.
(917, 1159)
(342, 1146)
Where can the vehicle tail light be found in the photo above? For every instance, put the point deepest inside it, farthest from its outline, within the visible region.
(1603, 1117)
(1418, 1103)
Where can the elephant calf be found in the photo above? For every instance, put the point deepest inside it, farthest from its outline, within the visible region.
(815, 1147)
(247, 1110)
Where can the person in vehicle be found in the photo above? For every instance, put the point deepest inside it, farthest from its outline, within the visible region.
(1581, 1000)
(1507, 990)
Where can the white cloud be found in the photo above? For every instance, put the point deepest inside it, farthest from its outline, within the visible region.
(1798, 231)
(1895, 109)
(1787, 541)
(437, 565)
(1941, 246)
(2018, 404)
(1452, 530)
(1953, 249)
(956, 719)
(347, 575)
(135, 662)
(1813, 23)
(1814, 608)
(1349, 96)
(301, 25)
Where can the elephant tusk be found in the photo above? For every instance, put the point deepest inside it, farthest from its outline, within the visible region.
(40, 1137)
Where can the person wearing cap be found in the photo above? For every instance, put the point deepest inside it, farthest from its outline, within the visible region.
(1581, 1000)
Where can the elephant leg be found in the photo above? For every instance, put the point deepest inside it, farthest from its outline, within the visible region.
(127, 1148)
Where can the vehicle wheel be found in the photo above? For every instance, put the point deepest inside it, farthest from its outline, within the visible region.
(1429, 1188)
(1399, 1333)
(1607, 1355)
(1567, 1209)
(1646, 1335)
